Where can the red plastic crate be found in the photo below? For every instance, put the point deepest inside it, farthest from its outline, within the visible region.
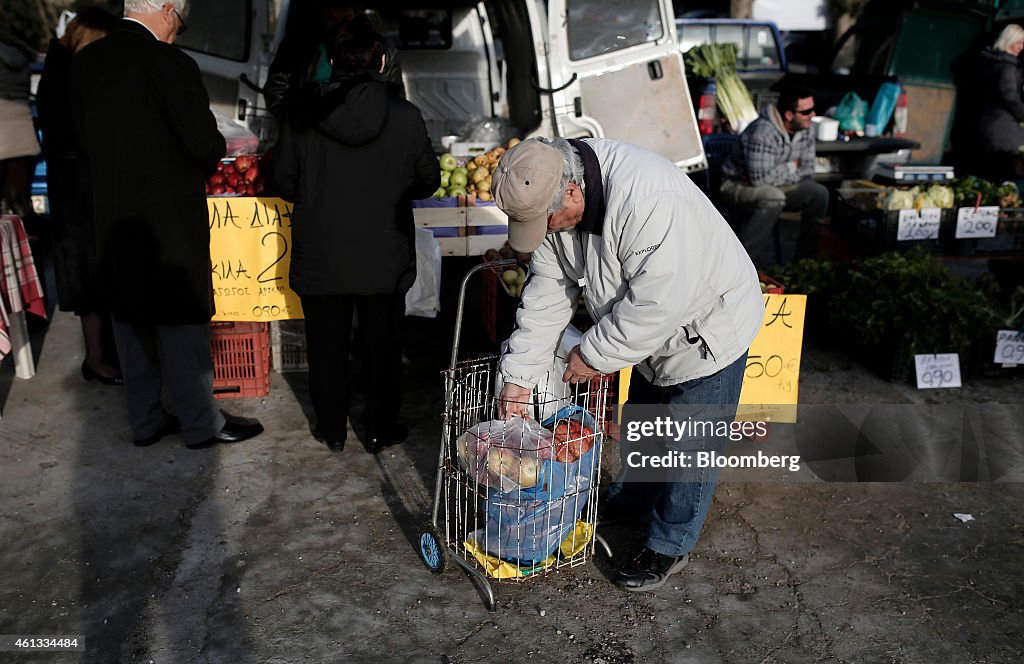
(774, 287)
(241, 360)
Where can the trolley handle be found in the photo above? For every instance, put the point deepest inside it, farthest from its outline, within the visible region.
(505, 262)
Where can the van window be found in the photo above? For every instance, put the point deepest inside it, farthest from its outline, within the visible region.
(604, 26)
(219, 28)
(416, 28)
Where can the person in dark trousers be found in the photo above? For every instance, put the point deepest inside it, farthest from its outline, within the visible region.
(144, 123)
(68, 193)
(352, 157)
(770, 170)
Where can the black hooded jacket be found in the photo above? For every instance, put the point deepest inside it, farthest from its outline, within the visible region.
(352, 156)
(999, 129)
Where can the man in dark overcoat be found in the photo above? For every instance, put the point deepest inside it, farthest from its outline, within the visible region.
(144, 120)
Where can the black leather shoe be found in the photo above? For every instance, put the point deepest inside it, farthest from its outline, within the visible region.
(235, 430)
(649, 570)
(89, 374)
(333, 444)
(377, 440)
(169, 426)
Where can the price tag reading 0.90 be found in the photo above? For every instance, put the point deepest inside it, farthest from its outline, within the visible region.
(934, 371)
(1009, 347)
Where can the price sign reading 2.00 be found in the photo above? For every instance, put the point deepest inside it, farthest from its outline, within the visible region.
(977, 222)
(250, 251)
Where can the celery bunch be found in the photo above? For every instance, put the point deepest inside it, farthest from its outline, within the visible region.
(718, 61)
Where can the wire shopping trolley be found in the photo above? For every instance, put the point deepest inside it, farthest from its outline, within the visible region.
(514, 499)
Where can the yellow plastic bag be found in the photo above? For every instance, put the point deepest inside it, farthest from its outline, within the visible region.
(497, 568)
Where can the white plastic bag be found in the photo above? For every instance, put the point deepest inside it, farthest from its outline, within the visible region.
(505, 455)
(239, 139)
(424, 298)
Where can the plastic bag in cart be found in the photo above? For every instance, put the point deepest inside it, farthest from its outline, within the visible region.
(505, 455)
(526, 525)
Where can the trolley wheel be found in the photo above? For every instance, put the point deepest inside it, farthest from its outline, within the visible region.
(432, 549)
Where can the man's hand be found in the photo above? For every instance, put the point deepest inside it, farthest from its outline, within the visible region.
(576, 368)
(513, 400)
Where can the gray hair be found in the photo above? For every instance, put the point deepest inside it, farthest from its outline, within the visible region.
(1011, 34)
(572, 170)
(152, 6)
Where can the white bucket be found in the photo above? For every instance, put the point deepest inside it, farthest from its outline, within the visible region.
(825, 129)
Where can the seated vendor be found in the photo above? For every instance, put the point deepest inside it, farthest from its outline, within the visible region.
(770, 170)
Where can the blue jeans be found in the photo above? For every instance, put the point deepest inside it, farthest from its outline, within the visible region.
(678, 509)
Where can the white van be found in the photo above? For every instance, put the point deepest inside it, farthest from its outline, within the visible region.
(573, 68)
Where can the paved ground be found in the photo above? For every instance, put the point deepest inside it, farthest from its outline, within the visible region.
(276, 552)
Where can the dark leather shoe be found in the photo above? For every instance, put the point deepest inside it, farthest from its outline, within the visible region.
(235, 430)
(649, 570)
(169, 426)
(89, 375)
(378, 440)
(333, 444)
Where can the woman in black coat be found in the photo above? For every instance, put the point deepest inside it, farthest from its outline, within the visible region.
(70, 201)
(1001, 136)
(352, 156)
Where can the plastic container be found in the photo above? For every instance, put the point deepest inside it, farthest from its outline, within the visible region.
(241, 360)
(288, 346)
(825, 129)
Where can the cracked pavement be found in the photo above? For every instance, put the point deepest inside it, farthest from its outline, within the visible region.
(277, 552)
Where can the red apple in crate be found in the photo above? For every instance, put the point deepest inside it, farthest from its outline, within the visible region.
(229, 191)
(251, 174)
(217, 190)
(244, 162)
(233, 179)
(216, 179)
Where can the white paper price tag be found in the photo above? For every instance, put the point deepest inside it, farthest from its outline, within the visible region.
(977, 222)
(1009, 347)
(914, 226)
(937, 370)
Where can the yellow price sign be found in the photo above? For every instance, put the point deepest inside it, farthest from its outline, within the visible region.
(250, 253)
(772, 377)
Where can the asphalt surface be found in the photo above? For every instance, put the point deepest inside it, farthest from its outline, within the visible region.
(275, 551)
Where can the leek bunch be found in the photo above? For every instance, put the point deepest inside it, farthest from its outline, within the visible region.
(718, 61)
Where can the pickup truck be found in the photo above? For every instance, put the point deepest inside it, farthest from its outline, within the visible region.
(761, 64)
(760, 56)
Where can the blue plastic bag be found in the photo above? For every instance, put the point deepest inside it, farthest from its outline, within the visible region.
(881, 109)
(850, 112)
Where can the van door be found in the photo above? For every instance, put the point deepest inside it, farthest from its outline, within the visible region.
(230, 41)
(616, 72)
